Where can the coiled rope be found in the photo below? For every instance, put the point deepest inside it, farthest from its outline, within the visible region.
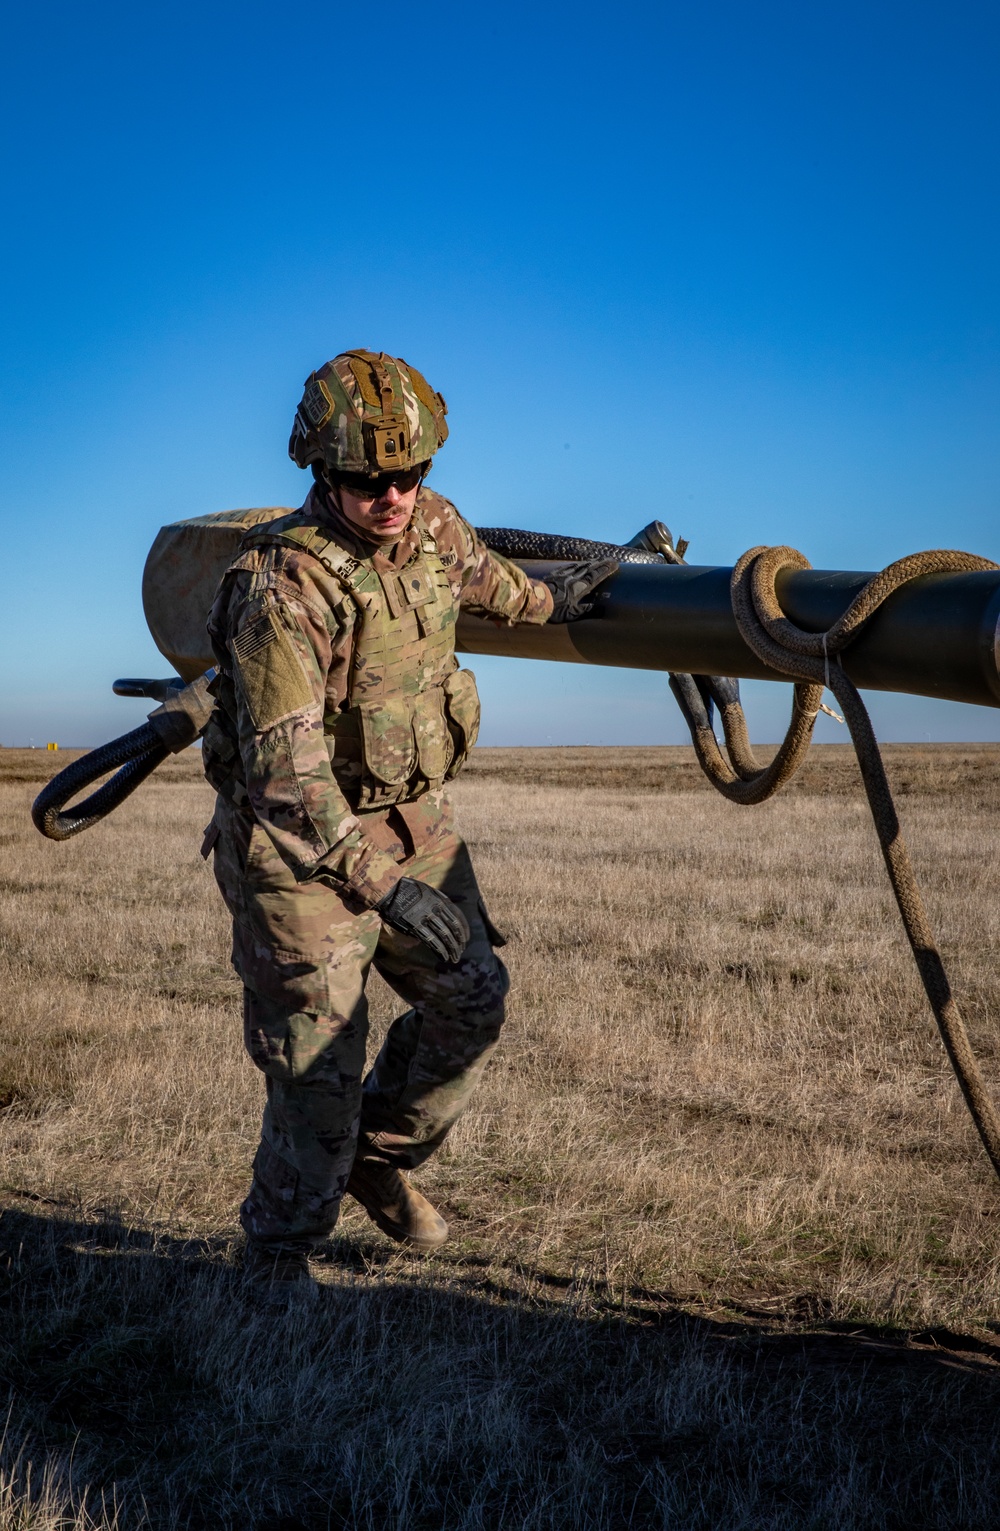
(813, 660)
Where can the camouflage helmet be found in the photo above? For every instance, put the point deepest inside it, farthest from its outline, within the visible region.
(366, 412)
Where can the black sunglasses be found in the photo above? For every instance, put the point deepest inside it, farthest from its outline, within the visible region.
(372, 486)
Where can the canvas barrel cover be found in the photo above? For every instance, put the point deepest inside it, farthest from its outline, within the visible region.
(182, 574)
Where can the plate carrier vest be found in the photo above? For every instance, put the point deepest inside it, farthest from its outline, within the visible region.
(411, 715)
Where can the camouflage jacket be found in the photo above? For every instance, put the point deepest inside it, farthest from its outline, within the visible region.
(282, 612)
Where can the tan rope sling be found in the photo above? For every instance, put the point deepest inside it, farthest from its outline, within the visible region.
(812, 660)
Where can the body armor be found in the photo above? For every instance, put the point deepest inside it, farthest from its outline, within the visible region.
(411, 716)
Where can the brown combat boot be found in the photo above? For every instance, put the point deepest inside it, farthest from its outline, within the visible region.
(276, 1276)
(399, 1210)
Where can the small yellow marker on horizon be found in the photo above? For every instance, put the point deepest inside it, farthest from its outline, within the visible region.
(52, 746)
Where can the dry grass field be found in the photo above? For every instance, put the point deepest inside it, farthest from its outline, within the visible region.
(726, 1251)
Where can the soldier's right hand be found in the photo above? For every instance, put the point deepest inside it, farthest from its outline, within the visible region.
(573, 587)
(419, 910)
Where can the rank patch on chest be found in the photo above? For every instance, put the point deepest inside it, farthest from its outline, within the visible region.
(416, 586)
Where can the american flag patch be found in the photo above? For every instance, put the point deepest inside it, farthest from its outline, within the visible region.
(255, 636)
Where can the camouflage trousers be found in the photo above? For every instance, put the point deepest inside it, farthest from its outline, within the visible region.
(303, 954)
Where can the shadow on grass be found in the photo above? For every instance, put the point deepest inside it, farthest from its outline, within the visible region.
(464, 1395)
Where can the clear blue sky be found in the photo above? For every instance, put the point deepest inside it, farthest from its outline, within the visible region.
(735, 266)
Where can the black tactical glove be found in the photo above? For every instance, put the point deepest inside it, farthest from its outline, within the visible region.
(419, 910)
(573, 587)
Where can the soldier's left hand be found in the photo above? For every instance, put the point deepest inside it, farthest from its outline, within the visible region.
(419, 910)
(573, 587)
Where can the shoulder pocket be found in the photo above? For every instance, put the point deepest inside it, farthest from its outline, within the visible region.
(270, 672)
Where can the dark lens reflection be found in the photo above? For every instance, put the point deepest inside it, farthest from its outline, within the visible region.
(374, 486)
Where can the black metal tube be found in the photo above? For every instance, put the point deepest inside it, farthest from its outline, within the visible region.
(937, 636)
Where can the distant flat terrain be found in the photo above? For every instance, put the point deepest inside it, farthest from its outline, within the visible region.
(725, 1252)
(829, 767)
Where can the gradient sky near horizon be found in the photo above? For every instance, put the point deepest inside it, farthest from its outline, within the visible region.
(732, 266)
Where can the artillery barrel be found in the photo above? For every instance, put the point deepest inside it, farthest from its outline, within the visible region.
(938, 636)
(935, 636)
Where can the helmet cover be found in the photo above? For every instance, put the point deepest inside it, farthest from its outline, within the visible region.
(366, 412)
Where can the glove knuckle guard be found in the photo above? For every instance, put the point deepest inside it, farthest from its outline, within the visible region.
(429, 915)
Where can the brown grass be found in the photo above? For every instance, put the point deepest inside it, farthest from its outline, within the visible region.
(724, 1242)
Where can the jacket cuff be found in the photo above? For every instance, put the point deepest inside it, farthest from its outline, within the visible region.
(539, 605)
(371, 873)
(376, 876)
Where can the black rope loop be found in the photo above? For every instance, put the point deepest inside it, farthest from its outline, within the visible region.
(132, 757)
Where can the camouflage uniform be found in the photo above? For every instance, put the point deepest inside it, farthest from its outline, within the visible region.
(341, 714)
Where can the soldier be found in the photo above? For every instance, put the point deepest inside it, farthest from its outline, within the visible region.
(341, 715)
